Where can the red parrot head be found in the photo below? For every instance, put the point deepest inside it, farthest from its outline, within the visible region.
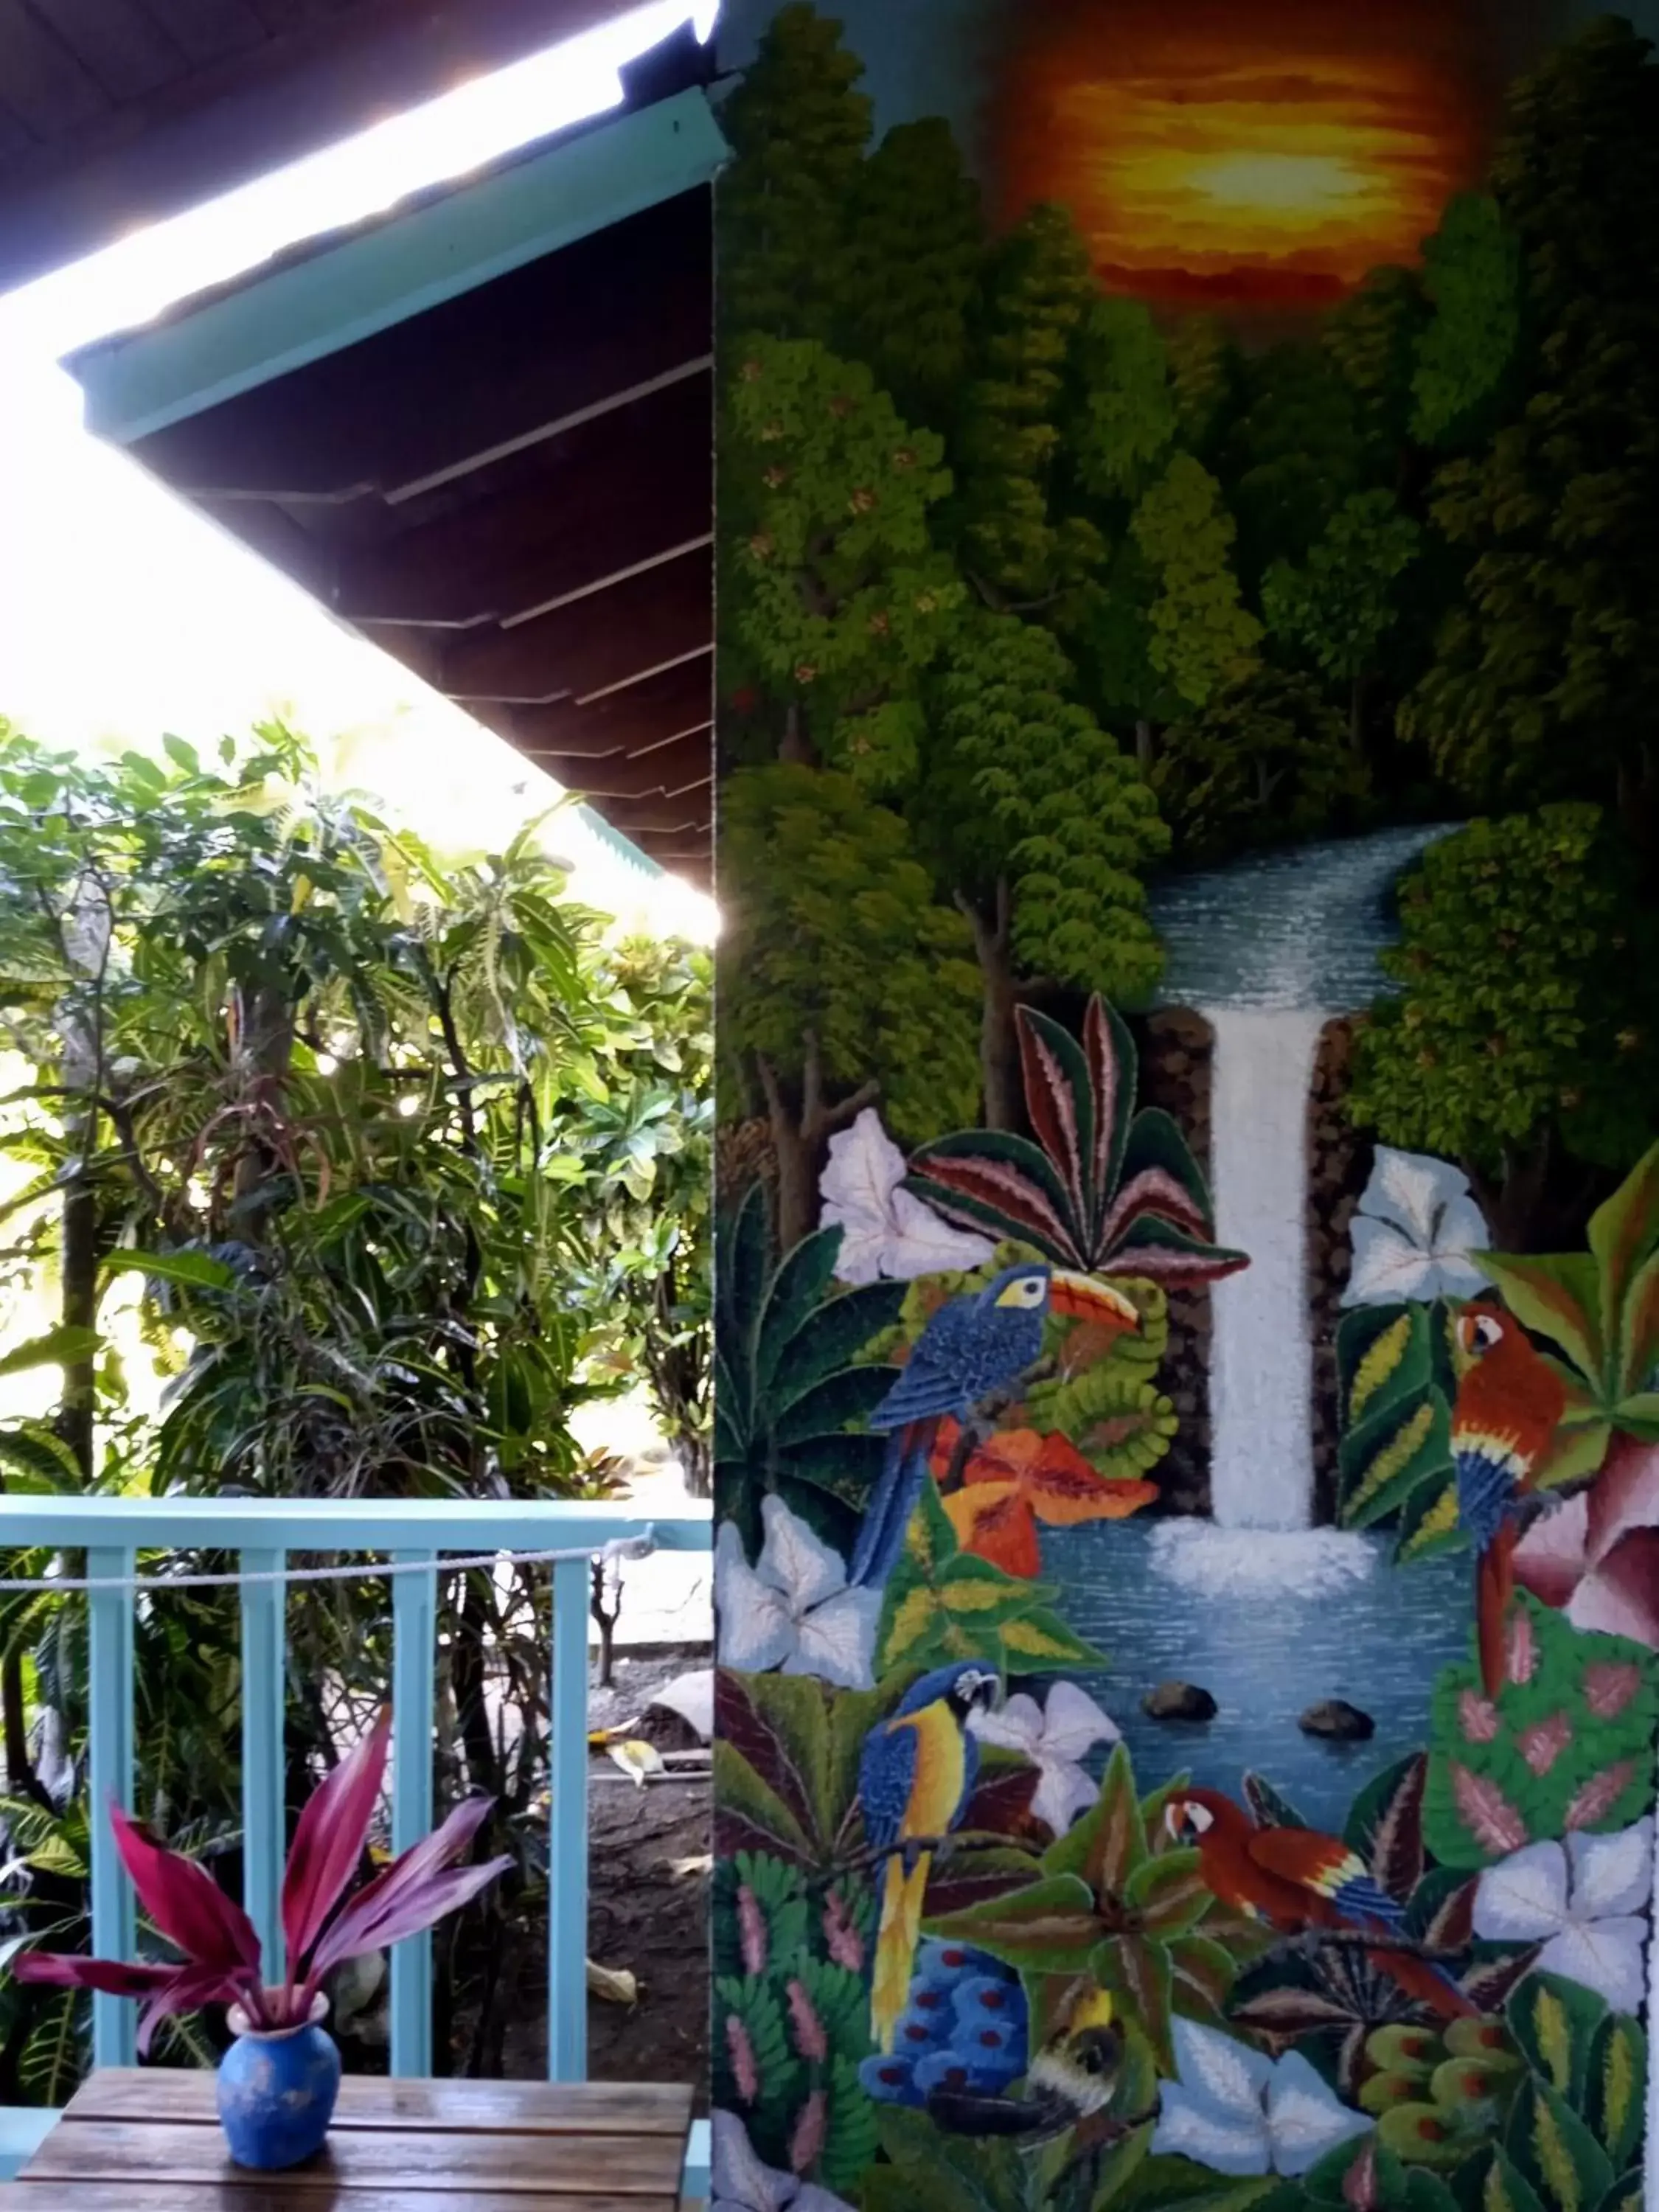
(1198, 1813)
(1482, 1328)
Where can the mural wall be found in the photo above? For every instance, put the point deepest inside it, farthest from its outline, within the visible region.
(1188, 1563)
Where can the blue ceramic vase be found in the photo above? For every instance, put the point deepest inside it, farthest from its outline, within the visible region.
(277, 2090)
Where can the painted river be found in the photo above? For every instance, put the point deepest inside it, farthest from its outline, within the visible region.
(1376, 1637)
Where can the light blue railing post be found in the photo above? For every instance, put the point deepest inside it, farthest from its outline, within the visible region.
(263, 1670)
(114, 1920)
(414, 1671)
(567, 1841)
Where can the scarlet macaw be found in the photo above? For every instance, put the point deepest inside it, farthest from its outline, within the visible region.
(1296, 1879)
(975, 1345)
(1508, 1405)
(916, 1774)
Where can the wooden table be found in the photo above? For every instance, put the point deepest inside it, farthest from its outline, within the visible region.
(147, 2140)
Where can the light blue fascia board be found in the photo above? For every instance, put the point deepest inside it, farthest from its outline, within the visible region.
(401, 265)
(336, 1524)
(619, 842)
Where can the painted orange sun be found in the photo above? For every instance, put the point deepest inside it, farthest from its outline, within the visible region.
(1240, 153)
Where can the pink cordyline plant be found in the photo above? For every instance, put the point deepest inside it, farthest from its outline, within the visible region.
(221, 1965)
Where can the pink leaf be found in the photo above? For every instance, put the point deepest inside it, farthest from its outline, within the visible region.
(1486, 1813)
(1154, 1191)
(1520, 1661)
(1359, 2183)
(841, 1939)
(1598, 1796)
(1104, 1076)
(1052, 1108)
(401, 1910)
(752, 1930)
(1609, 1686)
(741, 2051)
(1543, 1743)
(1002, 1189)
(329, 1840)
(185, 1902)
(186, 1991)
(811, 2040)
(114, 1977)
(1477, 1717)
(807, 2141)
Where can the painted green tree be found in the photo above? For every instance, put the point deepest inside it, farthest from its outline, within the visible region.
(842, 978)
(1020, 538)
(1263, 762)
(1040, 828)
(1341, 605)
(1374, 337)
(797, 130)
(1526, 1022)
(839, 597)
(1471, 276)
(915, 243)
(1547, 667)
(1201, 635)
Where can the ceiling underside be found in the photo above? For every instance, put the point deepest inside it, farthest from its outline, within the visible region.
(511, 492)
(119, 112)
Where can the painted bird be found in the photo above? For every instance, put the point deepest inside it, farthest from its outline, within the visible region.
(1297, 1881)
(1070, 2079)
(916, 1774)
(976, 1343)
(1508, 1403)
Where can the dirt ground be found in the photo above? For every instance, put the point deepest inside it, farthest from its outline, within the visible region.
(648, 1909)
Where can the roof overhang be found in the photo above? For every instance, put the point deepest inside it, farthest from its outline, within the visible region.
(478, 430)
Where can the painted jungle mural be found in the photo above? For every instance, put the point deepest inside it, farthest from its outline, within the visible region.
(1187, 1301)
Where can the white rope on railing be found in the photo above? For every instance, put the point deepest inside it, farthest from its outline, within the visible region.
(618, 1548)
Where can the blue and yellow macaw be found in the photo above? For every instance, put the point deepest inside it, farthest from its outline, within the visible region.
(916, 1774)
(975, 1345)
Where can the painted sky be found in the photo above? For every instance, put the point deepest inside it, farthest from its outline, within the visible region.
(1242, 153)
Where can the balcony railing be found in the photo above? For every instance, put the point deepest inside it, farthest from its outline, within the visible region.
(111, 1532)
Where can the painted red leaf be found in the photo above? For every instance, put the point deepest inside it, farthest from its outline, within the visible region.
(1052, 1108)
(1022, 1204)
(1521, 1658)
(1486, 1813)
(1477, 1717)
(1397, 1842)
(1104, 1076)
(1597, 1797)
(1609, 1686)
(1154, 1191)
(1543, 1743)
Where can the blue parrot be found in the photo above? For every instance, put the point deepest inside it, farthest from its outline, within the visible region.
(980, 1342)
(916, 1775)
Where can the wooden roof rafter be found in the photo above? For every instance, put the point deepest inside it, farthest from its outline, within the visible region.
(479, 430)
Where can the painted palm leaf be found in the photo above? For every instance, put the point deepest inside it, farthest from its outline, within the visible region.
(1098, 1188)
(791, 1395)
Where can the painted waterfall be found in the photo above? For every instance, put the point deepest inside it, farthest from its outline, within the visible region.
(1188, 1469)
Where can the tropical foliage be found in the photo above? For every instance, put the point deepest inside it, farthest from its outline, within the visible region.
(1102, 1188)
(328, 1121)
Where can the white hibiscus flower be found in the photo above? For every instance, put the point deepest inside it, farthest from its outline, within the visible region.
(792, 1608)
(1239, 2112)
(885, 1231)
(1416, 1233)
(1056, 1738)
(1586, 1902)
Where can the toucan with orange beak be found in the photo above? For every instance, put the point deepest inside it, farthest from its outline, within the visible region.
(975, 1346)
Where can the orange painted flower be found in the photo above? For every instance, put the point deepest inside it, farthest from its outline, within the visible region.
(1022, 1477)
